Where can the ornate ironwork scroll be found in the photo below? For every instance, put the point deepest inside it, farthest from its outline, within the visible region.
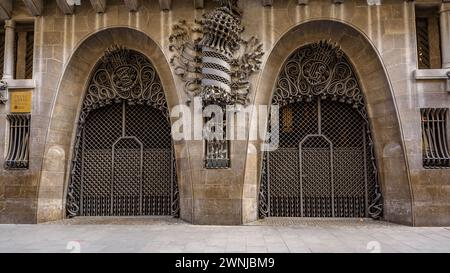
(423, 43)
(123, 162)
(325, 137)
(215, 62)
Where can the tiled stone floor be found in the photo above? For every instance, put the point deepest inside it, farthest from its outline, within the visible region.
(270, 235)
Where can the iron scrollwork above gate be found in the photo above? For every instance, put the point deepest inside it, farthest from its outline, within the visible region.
(124, 74)
(318, 72)
(126, 88)
(320, 69)
(212, 57)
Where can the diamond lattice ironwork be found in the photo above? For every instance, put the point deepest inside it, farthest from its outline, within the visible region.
(325, 164)
(123, 160)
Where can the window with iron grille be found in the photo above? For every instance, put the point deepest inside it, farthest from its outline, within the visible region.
(434, 138)
(18, 141)
(427, 36)
(423, 45)
(24, 46)
(29, 55)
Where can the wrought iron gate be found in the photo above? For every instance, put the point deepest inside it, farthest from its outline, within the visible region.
(123, 160)
(325, 164)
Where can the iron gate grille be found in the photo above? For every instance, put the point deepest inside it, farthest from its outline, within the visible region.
(124, 161)
(325, 164)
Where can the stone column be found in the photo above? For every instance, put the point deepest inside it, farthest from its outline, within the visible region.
(445, 34)
(8, 65)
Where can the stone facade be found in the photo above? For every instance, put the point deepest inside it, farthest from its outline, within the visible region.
(379, 40)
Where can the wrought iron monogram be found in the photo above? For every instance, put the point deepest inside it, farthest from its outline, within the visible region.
(215, 62)
(123, 162)
(320, 69)
(124, 75)
(325, 135)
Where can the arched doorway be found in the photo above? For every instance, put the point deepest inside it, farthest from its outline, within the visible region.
(123, 159)
(325, 164)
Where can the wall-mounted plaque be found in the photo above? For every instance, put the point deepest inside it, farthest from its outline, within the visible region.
(20, 101)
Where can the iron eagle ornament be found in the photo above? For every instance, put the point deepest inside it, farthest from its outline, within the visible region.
(212, 57)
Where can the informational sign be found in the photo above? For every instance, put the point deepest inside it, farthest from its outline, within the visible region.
(20, 101)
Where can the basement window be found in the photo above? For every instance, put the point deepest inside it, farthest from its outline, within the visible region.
(434, 138)
(428, 37)
(18, 141)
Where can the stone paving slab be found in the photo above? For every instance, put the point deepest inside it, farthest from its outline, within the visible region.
(155, 234)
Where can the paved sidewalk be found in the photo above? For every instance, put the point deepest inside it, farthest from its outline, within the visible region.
(270, 235)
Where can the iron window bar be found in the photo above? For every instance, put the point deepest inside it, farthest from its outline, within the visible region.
(423, 44)
(18, 144)
(434, 138)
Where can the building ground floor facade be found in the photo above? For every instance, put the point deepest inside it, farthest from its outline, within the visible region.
(341, 118)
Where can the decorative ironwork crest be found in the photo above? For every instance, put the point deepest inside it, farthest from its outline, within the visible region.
(212, 58)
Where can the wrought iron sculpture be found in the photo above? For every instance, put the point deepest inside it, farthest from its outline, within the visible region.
(215, 63)
(435, 149)
(123, 162)
(325, 135)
